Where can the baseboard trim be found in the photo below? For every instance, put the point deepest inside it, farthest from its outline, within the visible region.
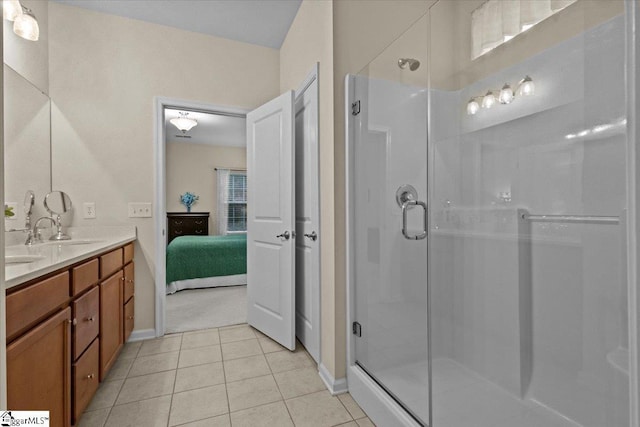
(334, 386)
(142, 334)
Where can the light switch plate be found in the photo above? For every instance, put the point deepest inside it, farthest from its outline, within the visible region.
(89, 210)
(139, 210)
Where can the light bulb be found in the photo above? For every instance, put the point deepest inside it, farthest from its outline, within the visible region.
(26, 26)
(526, 87)
(489, 100)
(11, 9)
(472, 107)
(506, 94)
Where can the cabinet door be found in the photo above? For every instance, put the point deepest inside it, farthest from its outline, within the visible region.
(110, 321)
(129, 283)
(39, 369)
(129, 318)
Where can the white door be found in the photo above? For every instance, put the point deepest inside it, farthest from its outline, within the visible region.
(270, 220)
(307, 216)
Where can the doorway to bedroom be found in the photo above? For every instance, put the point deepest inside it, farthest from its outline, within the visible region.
(206, 206)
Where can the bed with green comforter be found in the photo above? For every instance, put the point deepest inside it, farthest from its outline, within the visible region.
(206, 261)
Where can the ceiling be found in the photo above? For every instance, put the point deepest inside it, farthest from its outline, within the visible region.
(261, 22)
(212, 129)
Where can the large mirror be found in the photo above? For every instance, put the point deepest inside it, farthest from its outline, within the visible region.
(27, 120)
(27, 146)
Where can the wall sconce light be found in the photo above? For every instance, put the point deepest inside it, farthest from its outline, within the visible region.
(11, 9)
(506, 95)
(25, 23)
(183, 123)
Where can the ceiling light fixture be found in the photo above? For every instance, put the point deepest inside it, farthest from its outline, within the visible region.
(183, 123)
(26, 25)
(506, 94)
(526, 87)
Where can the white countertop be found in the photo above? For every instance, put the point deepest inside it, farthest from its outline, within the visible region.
(89, 241)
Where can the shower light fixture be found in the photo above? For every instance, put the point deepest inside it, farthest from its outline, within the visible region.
(183, 123)
(489, 100)
(506, 95)
(472, 106)
(526, 87)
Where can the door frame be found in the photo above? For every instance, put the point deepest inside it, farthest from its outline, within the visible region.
(314, 76)
(160, 184)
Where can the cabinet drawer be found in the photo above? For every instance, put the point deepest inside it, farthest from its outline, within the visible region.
(27, 305)
(110, 263)
(86, 320)
(129, 282)
(84, 276)
(85, 379)
(128, 253)
(129, 318)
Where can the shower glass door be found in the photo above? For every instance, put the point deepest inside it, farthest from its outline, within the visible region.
(527, 143)
(390, 262)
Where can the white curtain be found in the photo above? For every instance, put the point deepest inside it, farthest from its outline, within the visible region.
(223, 199)
(497, 21)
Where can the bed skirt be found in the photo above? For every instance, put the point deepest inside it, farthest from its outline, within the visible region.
(206, 282)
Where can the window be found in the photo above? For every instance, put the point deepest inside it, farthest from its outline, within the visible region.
(232, 201)
(498, 21)
(237, 202)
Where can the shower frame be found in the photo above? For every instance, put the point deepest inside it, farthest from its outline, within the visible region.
(374, 399)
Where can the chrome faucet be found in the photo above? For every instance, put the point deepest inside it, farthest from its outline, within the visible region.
(35, 235)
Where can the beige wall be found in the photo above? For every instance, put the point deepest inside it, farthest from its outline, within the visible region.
(310, 40)
(191, 167)
(361, 31)
(104, 74)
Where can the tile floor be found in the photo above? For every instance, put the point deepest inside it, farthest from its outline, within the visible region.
(217, 377)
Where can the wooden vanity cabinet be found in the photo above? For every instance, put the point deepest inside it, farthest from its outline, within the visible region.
(65, 331)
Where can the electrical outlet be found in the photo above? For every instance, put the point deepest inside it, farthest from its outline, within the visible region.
(89, 209)
(140, 210)
(14, 206)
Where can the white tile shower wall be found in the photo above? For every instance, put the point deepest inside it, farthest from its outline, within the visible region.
(536, 305)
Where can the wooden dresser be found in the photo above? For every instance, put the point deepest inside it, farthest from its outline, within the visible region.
(187, 224)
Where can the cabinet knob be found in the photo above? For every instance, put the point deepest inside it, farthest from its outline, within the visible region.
(130, 317)
(90, 376)
(123, 279)
(74, 321)
(90, 319)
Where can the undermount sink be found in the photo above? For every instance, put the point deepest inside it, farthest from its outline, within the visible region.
(70, 242)
(21, 259)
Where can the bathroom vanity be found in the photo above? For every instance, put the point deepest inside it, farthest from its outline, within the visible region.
(69, 313)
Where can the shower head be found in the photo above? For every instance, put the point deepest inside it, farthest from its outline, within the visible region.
(412, 63)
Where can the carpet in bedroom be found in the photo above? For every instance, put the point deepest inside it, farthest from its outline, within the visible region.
(194, 309)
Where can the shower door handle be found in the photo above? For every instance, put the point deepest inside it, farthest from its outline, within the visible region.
(405, 233)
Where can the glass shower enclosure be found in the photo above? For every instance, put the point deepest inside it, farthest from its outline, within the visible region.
(487, 218)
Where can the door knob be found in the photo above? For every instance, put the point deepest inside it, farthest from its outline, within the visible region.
(313, 236)
(284, 235)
